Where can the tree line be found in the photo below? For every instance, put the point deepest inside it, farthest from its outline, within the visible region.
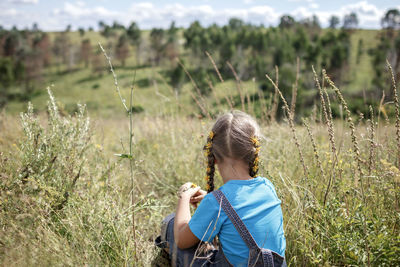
(250, 50)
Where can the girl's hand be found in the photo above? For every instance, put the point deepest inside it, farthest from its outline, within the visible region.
(196, 198)
(188, 190)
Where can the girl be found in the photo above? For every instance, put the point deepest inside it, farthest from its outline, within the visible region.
(245, 212)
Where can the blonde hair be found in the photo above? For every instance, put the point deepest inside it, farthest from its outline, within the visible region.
(235, 135)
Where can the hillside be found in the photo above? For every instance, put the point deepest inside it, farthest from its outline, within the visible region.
(153, 91)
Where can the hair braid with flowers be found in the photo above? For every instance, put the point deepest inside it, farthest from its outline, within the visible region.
(234, 135)
(254, 164)
(210, 163)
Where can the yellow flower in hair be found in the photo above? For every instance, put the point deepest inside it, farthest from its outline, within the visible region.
(256, 159)
(258, 149)
(255, 141)
(207, 178)
(208, 187)
(208, 145)
(208, 169)
(211, 135)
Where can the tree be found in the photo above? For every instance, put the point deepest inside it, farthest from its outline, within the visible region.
(286, 21)
(35, 27)
(33, 64)
(6, 72)
(177, 77)
(333, 22)
(133, 32)
(11, 43)
(81, 32)
(6, 78)
(122, 49)
(61, 47)
(350, 21)
(235, 24)
(97, 62)
(391, 20)
(172, 46)
(101, 25)
(85, 51)
(157, 44)
(43, 45)
(192, 37)
(117, 26)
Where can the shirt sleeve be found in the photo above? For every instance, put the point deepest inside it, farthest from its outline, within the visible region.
(206, 222)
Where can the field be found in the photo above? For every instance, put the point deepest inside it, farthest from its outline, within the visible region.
(66, 197)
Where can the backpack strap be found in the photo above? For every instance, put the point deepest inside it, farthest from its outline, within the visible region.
(254, 250)
(235, 219)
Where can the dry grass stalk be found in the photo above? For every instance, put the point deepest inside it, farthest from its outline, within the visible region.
(203, 109)
(381, 106)
(295, 87)
(215, 66)
(214, 93)
(200, 106)
(316, 155)
(238, 84)
(371, 142)
(291, 124)
(248, 102)
(130, 156)
(274, 106)
(230, 98)
(329, 122)
(123, 101)
(396, 104)
(356, 148)
(262, 104)
(328, 118)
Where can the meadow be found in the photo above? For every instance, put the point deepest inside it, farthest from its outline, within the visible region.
(68, 171)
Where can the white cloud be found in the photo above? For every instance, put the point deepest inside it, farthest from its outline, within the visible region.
(24, 1)
(148, 15)
(8, 12)
(78, 10)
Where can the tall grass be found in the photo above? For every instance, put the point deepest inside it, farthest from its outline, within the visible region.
(65, 199)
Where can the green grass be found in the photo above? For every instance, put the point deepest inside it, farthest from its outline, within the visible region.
(94, 225)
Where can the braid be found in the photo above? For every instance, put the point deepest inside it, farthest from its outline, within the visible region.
(210, 163)
(253, 165)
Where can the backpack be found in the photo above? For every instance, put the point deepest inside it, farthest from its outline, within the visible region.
(258, 257)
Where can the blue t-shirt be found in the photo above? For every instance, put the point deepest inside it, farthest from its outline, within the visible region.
(257, 204)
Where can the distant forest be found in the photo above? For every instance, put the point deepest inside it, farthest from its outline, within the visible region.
(249, 51)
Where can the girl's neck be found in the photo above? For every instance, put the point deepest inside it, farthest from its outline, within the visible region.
(233, 169)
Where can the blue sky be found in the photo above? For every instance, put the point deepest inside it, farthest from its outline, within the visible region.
(56, 15)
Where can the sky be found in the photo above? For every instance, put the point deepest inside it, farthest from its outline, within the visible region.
(55, 15)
